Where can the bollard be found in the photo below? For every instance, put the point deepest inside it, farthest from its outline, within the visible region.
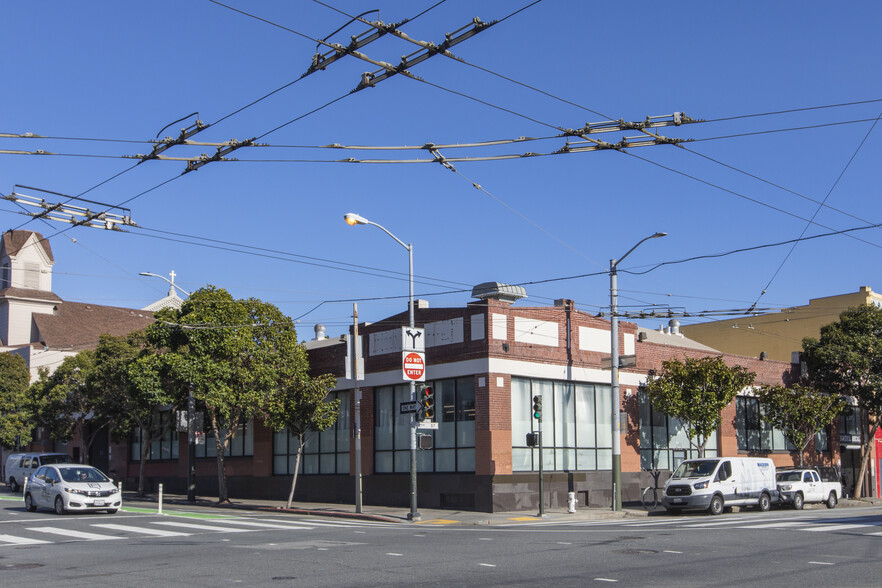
(24, 486)
(571, 502)
(159, 508)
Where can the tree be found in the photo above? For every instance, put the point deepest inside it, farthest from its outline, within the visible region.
(130, 379)
(67, 404)
(300, 406)
(15, 416)
(233, 353)
(800, 412)
(847, 361)
(695, 392)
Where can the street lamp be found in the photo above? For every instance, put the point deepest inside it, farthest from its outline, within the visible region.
(354, 219)
(191, 405)
(172, 285)
(614, 373)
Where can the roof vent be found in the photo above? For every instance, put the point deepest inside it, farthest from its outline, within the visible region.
(319, 331)
(497, 291)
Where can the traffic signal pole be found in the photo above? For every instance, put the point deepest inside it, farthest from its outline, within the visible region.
(537, 412)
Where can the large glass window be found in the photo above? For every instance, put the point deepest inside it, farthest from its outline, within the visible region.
(576, 425)
(164, 443)
(664, 442)
(753, 432)
(241, 445)
(453, 440)
(326, 452)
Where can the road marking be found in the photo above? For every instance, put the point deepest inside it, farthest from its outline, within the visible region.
(833, 528)
(437, 522)
(396, 554)
(487, 565)
(731, 522)
(775, 525)
(821, 563)
(263, 525)
(144, 530)
(73, 534)
(21, 540)
(201, 527)
(604, 580)
(671, 551)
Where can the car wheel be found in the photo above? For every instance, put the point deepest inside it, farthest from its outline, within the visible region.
(798, 501)
(716, 505)
(831, 500)
(59, 506)
(765, 503)
(13, 485)
(29, 503)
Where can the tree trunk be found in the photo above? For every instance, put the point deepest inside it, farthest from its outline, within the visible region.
(296, 469)
(866, 450)
(221, 472)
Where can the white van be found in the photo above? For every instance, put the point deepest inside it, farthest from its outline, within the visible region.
(21, 465)
(713, 484)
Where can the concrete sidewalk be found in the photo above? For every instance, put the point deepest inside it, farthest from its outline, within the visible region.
(396, 514)
(390, 514)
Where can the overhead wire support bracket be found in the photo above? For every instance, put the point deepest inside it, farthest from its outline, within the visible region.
(322, 60)
(219, 154)
(75, 215)
(370, 79)
(169, 142)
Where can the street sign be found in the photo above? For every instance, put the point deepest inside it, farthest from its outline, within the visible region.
(413, 339)
(413, 365)
(427, 425)
(409, 407)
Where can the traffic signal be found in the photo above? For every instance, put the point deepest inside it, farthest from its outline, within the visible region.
(426, 397)
(537, 407)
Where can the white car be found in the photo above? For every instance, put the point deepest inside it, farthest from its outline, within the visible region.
(71, 487)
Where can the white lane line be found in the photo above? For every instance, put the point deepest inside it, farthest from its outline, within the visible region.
(196, 527)
(487, 565)
(143, 530)
(732, 522)
(821, 563)
(775, 525)
(73, 534)
(396, 554)
(833, 528)
(670, 551)
(21, 540)
(263, 525)
(604, 580)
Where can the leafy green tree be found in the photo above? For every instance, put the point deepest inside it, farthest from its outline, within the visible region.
(847, 361)
(300, 406)
(130, 379)
(799, 412)
(67, 404)
(695, 392)
(15, 414)
(233, 352)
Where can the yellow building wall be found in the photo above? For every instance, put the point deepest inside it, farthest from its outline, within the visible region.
(777, 334)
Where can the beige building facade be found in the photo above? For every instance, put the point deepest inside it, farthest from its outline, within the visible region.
(778, 335)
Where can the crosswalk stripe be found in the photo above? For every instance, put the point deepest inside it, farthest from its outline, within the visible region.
(834, 528)
(73, 534)
(196, 527)
(257, 524)
(774, 525)
(144, 530)
(21, 540)
(730, 522)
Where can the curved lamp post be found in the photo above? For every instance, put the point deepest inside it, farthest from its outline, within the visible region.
(172, 285)
(614, 373)
(353, 220)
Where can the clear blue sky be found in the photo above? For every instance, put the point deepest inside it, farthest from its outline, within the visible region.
(121, 71)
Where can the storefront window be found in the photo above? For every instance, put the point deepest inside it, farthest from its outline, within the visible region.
(576, 430)
(753, 432)
(164, 444)
(241, 445)
(325, 452)
(453, 440)
(664, 442)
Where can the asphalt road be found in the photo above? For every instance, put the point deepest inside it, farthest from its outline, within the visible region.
(198, 547)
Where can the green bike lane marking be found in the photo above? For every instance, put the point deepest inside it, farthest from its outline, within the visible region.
(135, 509)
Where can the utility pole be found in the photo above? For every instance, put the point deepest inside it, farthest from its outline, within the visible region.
(356, 391)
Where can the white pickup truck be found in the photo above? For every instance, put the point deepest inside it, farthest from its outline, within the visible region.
(801, 485)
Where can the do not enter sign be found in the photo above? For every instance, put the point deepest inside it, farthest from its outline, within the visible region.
(414, 366)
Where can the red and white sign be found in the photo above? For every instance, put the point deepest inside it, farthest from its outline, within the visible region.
(414, 366)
